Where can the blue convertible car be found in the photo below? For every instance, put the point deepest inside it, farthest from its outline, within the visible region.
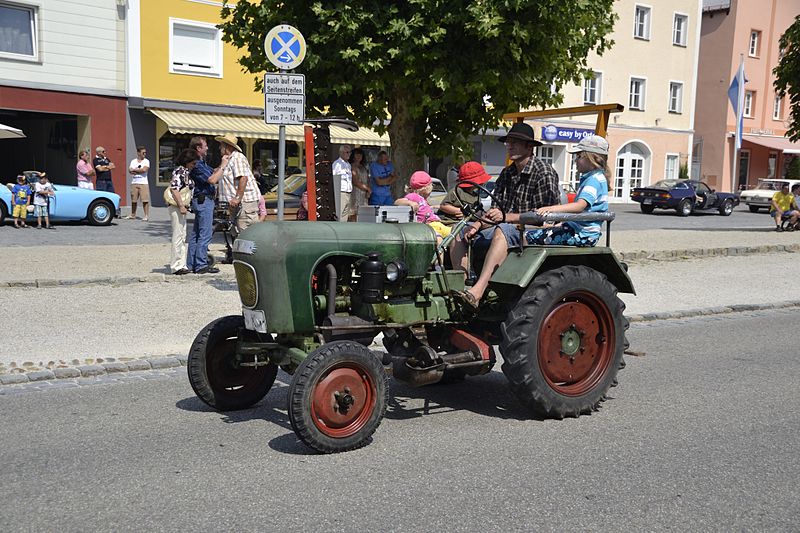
(69, 202)
(684, 196)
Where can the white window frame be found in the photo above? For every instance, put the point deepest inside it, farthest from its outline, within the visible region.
(648, 11)
(747, 106)
(678, 109)
(755, 43)
(642, 95)
(683, 39)
(216, 71)
(34, 21)
(549, 159)
(598, 87)
(777, 108)
(677, 158)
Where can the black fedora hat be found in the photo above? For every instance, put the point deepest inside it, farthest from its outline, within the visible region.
(521, 131)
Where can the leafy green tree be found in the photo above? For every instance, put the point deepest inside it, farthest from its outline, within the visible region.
(430, 72)
(787, 74)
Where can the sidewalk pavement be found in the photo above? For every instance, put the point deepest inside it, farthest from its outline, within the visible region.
(104, 309)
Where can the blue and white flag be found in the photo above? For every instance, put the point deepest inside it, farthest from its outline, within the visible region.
(736, 96)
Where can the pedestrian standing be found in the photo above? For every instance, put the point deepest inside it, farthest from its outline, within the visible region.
(342, 169)
(41, 200)
(181, 178)
(203, 209)
(85, 170)
(361, 190)
(20, 197)
(237, 186)
(102, 168)
(140, 187)
(382, 175)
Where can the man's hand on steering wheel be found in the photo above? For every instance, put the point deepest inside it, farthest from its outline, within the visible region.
(494, 216)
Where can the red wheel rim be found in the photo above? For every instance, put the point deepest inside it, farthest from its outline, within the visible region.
(577, 343)
(343, 400)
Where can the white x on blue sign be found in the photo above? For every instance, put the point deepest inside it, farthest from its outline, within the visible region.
(285, 47)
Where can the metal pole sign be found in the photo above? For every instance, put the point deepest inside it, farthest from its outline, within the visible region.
(284, 94)
(284, 98)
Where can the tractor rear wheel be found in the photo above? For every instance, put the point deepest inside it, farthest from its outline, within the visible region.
(563, 342)
(338, 397)
(215, 373)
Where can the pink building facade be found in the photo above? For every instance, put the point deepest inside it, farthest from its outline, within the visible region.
(731, 30)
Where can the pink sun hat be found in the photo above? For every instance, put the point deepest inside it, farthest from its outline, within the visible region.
(419, 179)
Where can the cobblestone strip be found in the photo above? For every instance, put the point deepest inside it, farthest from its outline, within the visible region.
(112, 370)
(113, 280)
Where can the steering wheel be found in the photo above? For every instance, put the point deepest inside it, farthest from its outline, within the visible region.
(477, 207)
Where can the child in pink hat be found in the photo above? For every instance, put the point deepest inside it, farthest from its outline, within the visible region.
(419, 188)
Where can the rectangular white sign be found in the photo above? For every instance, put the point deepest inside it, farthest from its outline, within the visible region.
(284, 98)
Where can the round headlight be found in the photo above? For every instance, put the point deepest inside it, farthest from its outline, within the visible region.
(396, 271)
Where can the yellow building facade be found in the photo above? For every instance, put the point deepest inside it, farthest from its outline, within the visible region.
(183, 81)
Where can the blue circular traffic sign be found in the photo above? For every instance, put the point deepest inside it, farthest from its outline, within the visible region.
(285, 46)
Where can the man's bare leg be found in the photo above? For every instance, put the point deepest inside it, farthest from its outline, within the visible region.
(458, 254)
(498, 251)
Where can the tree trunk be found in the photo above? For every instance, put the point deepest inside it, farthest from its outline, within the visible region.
(403, 131)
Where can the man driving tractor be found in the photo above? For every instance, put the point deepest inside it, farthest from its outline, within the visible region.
(527, 184)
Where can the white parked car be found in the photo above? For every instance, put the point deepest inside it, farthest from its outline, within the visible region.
(761, 196)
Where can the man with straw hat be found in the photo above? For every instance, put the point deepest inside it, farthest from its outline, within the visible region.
(237, 185)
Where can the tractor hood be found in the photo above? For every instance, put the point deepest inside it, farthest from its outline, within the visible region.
(284, 256)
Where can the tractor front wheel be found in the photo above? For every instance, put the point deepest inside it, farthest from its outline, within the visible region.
(215, 372)
(563, 342)
(338, 397)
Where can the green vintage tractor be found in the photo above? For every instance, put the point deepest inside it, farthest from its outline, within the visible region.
(315, 295)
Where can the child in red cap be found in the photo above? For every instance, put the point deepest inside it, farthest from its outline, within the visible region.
(419, 188)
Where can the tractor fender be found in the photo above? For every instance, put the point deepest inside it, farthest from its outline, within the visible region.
(521, 266)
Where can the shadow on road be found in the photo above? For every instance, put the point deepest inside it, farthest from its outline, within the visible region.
(487, 395)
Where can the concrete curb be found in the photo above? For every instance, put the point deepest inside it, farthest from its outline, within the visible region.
(630, 256)
(21, 376)
(703, 253)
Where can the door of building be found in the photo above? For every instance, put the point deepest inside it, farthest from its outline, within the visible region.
(632, 165)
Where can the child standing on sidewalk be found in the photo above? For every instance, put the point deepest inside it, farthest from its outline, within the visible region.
(21, 197)
(44, 190)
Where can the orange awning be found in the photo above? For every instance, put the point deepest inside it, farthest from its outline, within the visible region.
(781, 144)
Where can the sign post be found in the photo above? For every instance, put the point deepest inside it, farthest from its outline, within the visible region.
(284, 93)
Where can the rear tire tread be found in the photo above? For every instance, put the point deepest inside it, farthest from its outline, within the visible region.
(531, 389)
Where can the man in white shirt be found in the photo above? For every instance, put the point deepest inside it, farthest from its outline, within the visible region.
(140, 189)
(342, 168)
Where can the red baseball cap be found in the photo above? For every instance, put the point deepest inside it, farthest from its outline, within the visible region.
(474, 172)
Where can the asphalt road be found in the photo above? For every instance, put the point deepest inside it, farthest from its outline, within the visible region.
(700, 435)
(157, 230)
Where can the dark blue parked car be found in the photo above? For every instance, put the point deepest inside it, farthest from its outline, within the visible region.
(684, 196)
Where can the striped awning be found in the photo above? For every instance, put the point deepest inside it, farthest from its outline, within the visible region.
(194, 122)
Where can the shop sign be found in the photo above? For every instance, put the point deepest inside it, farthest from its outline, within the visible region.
(553, 133)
